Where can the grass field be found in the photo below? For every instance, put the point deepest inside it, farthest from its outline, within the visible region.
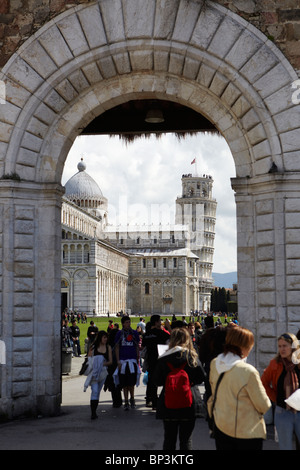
(102, 324)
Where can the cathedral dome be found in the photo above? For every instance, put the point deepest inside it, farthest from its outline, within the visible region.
(82, 190)
(82, 185)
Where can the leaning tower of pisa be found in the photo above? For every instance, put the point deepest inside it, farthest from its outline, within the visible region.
(197, 208)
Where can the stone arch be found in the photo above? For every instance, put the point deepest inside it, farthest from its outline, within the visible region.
(63, 69)
(93, 57)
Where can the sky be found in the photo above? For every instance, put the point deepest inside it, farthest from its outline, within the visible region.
(141, 180)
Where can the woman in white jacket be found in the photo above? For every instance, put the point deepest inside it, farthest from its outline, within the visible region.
(241, 398)
(100, 357)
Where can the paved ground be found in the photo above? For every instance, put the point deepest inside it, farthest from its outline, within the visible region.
(115, 429)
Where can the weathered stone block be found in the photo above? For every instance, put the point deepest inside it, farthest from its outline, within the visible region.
(161, 61)
(24, 284)
(22, 359)
(40, 61)
(122, 63)
(223, 42)
(191, 68)
(107, 67)
(218, 84)
(21, 299)
(265, 268)
(202, 36)
(292, 236)
(266, 298)
(141, 60)
(266, 283)
(21, 389)
(79, 81)
(24, 226)
(23, 241)
(293, 266)
(138, 18)
(262, 60)
(165, 15)
(293, 298)
(23, 314)
(187, 15)
(265, 238)
(92, 25)
(267, 329)
(72, 32)
(22, 344)
(113, 21)
(23, 329)
(265, 253)
(290, 140)
(265, 222)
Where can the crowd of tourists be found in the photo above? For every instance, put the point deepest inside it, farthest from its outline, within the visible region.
(176, 357)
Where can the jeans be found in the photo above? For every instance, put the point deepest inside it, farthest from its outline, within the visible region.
(182, 427)
(96, 389)
(287, 424)
(76, 347)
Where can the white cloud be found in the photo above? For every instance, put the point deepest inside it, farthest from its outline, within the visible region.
(146, 175)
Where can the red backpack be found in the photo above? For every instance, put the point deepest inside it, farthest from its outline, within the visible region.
(178, 392)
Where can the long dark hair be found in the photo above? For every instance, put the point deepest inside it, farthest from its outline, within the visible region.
(98, 338)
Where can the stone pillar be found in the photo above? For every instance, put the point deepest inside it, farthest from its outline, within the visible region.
(30, 298)
(268, 240)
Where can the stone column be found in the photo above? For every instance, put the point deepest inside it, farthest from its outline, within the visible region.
(30, 302)
(268, 258)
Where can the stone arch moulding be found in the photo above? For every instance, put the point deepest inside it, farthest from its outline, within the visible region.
(216, 58)
(91, 58)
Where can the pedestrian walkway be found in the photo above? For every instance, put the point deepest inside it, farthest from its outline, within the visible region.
(115, 430)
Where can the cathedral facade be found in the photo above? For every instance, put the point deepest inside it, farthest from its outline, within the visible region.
(139, 269)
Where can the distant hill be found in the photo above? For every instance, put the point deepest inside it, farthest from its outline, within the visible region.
(224, 279)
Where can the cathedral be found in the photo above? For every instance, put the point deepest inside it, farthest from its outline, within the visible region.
(107, 269)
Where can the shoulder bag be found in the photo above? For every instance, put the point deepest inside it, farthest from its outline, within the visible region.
(211, 419)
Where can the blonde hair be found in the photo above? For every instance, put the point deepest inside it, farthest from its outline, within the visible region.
(289, 338)
(181, 337)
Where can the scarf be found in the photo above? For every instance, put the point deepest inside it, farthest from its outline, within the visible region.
(290, 383)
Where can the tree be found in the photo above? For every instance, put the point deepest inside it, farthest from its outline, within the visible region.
(219, 297)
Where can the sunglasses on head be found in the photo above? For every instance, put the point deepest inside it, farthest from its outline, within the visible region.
(286, 337)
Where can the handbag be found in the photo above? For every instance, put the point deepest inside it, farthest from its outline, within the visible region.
(145, 378)
(211, 419)
(199, 403)
(84, 366)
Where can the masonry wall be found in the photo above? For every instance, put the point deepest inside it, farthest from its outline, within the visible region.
(279, 20)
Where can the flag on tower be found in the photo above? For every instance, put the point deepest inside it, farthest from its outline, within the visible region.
(194, 161)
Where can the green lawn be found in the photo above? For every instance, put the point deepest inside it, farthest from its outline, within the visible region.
(102, 324)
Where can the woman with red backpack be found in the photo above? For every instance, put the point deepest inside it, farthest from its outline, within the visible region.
(179, 371)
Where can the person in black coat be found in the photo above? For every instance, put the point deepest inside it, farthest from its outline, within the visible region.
(154, 336)
(179, 421)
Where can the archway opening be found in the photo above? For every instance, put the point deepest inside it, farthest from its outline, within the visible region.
(131, 119)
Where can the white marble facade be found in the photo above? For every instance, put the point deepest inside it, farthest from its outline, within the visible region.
(90, 58)
(142, 269)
